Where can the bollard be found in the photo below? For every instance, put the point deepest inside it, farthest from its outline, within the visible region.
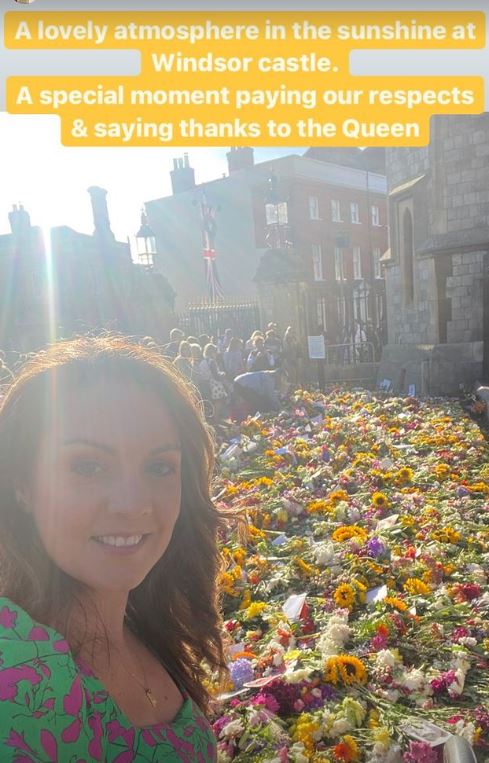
(458, 750)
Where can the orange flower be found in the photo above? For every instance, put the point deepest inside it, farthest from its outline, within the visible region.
(346, 750)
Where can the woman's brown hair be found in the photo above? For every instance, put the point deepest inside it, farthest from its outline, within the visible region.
(174, 610)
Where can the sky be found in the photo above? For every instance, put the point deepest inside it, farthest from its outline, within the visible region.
(51, 180)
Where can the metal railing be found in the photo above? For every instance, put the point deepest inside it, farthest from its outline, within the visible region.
(350, 354)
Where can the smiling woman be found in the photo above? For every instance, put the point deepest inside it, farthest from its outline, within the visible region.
(108, 559)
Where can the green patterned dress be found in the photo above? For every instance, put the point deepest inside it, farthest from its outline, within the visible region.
(53, 709)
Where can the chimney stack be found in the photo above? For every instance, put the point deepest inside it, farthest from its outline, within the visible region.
(19, 220)
(240, 158)
(182, 175)
(100, 212)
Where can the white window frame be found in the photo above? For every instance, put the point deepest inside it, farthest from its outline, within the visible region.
(314, 208)
(276, 214)
(321, 313)
(355, 212)
(336, 211)
(377, 266)
(339, 264)
(317, 262)
(357, 262)
(375, 215)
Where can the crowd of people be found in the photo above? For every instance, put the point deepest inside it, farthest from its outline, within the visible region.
(235, 377)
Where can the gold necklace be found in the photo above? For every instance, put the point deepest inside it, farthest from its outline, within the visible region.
(144, 686)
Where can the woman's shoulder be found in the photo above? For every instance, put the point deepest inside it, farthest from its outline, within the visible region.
(43, 705)
(20, 633)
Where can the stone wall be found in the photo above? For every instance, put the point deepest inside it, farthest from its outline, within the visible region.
(464, 288)
(446, 187)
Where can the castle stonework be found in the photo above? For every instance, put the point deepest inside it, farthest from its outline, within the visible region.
(437, 267)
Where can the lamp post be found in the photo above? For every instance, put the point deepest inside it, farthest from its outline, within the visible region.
(145, 243)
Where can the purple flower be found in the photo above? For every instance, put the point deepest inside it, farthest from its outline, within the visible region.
(240, 672)
(462, 491)
(375, 547)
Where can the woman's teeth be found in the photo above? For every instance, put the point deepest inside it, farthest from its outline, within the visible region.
(118, 540)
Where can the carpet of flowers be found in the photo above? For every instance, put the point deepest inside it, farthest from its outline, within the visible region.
(356, 589)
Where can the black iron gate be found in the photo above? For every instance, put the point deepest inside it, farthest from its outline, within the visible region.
(214, 318)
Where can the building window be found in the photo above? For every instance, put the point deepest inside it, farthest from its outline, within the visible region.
(375, 214)
(321, 313)
(339, 264)
(408, 257)
(313, 208)
(354, 212)
(317, 262)
(377, 265)
(335, 211)
(277, 214)
(357, 262)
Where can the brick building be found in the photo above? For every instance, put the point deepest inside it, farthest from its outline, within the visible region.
(436, 270)
(308, 248)
(75, 283)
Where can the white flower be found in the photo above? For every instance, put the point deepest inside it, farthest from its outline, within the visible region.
(297, 752)
(414, 680)
(339, 727)
(233, 728)
(385, 659)
(324, 554)
(335, 634)
(296, 676)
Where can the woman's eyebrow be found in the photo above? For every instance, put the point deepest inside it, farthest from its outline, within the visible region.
(89, 443)
(93, 444)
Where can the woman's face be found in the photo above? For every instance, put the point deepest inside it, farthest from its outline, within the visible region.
(106, 486)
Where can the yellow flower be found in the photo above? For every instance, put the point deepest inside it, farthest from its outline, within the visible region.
(338, 495)
(344, 596)
(318, 507)
(380, 500)
(415, 587)
(346, 532)
(442, 471)
(405, 474)
(307, 569)
(345, 669)
(446, 535)
(398, 604)
(255, 609)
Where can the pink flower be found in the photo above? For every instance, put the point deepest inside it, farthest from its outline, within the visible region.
(38, 634)
(61, 646)
(124, 757)
(10, 677)
(8, 617)
(17, 740)
(50, 745)
(95, 744)
(72, 732)
(149, 738)
(72, 701)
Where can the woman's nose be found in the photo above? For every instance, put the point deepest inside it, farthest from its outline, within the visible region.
(129, 496)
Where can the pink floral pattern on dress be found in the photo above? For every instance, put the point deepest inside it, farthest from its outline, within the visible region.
(54, 709)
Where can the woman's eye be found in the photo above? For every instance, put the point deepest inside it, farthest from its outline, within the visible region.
(87, 468)
(161, 469)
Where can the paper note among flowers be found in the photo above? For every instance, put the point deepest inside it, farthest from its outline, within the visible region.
(293, 606)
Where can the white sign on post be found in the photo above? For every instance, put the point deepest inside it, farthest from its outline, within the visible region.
(316, 347)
